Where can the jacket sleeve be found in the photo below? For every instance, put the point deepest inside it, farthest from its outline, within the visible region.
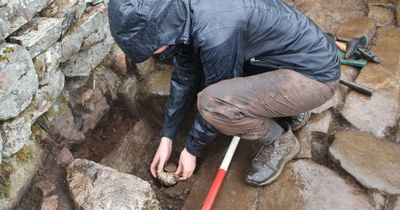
(185, 83)
(222, 55)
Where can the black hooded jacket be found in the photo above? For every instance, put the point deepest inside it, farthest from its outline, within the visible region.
(219, 37)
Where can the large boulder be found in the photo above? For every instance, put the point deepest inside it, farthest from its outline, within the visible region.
(97, 187)
(374, 163)
(18, 80)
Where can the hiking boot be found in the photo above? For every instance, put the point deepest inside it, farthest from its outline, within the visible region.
(295, 122)
(271, 158)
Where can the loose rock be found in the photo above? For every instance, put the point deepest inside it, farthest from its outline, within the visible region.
(379, 200)
(374, 163)
(167, 178)
(46, 187)
(96, 187)
(50, 203)
(65, 157)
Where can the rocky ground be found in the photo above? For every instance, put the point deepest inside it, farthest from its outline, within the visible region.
(80, 123)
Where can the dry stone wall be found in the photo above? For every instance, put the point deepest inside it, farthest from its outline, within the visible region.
(54, 79)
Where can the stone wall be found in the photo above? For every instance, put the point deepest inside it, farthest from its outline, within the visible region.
(55, 80)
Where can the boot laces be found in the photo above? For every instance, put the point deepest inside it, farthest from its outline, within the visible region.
(269, 155)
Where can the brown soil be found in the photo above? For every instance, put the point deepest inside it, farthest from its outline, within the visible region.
(101, 142)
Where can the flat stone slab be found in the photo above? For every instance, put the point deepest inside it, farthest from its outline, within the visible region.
(97, 187)
(383, 15)
(39, 35)
(234, 192)
(356, 27)
(307, 185)
(374, 163)
(329, 15)
(18, 80)
(376, 114)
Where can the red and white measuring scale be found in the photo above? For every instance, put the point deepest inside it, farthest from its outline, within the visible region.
(219, 178)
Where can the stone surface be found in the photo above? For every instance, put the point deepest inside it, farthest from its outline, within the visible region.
(234, 193)
(335, 102)
(154, 92)
(145, 68)
(40, 34)
(128, 94)
(374, 163)
(377, 114)
(329, 15)
(69, 10)
(397, 7)
(118, 60)
(89, 103)
(130, 148)
(349, 73)
(379, 200)
(65, 157)
(17, 131)
(46, 187)
(318, 124)
(311, 186)
(397, 204)
(95, 187)
(25, 166)
(87, 44)
(383, 15)
(356, 27)
(50, 203)
(62, 122)
(18, 80)
(14, 14)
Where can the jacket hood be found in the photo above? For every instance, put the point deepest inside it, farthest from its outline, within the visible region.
(140, 27)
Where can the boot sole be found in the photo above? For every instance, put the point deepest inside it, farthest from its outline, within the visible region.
(291, 155)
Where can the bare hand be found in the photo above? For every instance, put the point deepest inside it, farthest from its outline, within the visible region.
(187, 164)
(161, 156)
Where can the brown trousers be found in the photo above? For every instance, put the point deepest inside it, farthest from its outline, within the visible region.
(244, 106)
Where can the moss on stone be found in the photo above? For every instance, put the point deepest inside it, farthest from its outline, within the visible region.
(57, 109)
(9, 50)
(3, 58)
(24, 155)
(5, 184)
(75, 27)
(38, 134)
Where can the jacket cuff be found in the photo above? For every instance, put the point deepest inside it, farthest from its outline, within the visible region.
(192, 149)
(168, 133)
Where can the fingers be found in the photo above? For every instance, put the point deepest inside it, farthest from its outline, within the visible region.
(179, 170)
(160, 166)
(153, 166)
(186, 174)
